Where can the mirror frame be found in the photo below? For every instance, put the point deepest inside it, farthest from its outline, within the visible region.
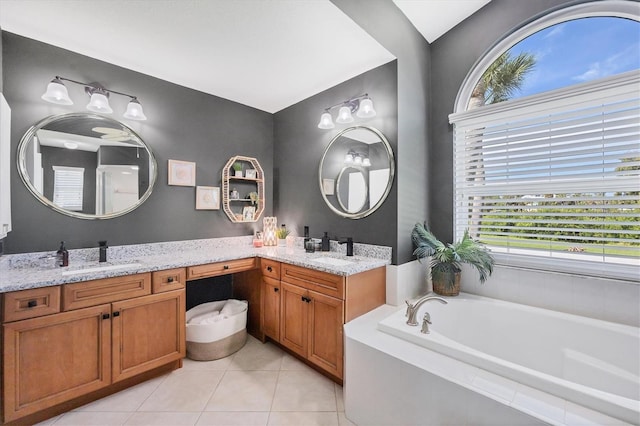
(384, 196)
(24, 175)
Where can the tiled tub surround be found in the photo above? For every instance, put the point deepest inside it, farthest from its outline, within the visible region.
(416, 385)
(33, 270)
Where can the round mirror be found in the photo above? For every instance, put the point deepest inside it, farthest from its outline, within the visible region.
(86, 166)
(356, 172)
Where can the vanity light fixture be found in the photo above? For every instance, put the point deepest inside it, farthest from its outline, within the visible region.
(57, 94)
(362, 105)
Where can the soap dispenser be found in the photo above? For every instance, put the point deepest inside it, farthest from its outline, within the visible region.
(325, 242)
(62, 255)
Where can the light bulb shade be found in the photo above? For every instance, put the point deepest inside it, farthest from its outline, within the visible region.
(366, 162)
(326, 122)
(134, 111)
(344, 115)
(57, 93)
(99, 103)
(366, 109)
(348, 158)
(358, 160)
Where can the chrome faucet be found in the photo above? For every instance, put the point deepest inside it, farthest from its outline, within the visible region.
(412, 310)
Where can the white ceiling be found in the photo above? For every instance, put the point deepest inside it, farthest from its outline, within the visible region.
(433, 18)
(268, 54)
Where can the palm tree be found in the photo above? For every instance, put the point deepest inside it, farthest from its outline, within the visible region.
(502, 79)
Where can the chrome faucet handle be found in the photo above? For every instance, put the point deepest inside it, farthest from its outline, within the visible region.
(409, 307)
(426, 321)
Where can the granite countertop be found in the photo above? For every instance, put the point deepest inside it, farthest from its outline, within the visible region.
(34, 270)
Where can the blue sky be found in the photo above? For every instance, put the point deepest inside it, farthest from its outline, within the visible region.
(581, 50)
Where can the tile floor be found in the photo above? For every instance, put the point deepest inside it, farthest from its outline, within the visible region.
(258, 385)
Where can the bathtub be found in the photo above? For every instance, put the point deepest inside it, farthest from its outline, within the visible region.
(590, 362)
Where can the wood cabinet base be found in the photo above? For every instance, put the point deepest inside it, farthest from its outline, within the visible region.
(94, 396)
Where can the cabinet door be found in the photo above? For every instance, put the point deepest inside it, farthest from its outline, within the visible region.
(271, 307)
(147, 332)
(293, 318)
(55, 358)
(325, 346)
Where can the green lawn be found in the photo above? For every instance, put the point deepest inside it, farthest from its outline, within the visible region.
(543, 245)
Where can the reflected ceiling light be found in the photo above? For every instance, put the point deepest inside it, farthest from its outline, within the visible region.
(356, 159)
(57, 93)
(348, 158)
(71, 145)
(362, 105)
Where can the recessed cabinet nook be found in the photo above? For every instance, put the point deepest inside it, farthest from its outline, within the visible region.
(69, 344)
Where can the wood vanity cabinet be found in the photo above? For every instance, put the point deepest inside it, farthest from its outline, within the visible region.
(52, 359)
(306, 309)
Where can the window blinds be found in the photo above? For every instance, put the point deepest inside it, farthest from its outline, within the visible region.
(68, 186)
(553, 175)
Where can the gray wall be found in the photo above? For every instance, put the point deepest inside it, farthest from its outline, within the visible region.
(299, 146)
(452, 57)
(183, 124)
(388, 25)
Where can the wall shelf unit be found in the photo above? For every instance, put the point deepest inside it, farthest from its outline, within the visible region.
(238, 209)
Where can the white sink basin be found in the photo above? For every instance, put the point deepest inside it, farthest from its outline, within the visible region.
(332, 261)
(101, 268)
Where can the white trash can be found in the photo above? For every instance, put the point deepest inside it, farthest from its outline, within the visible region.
(216, 329)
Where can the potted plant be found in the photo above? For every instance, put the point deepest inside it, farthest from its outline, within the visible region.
(237, 167)
(281, 234)
(446, 259)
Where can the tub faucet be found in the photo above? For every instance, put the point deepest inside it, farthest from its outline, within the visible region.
(412, 310)
(426, 322)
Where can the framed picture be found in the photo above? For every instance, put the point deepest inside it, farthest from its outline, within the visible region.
(328, 186)
(248, 213)
(251, 174)
(182, 173)
(207, 198)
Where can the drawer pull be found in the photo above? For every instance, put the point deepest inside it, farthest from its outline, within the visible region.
(170, 279)
(276, 289)
(32, 303)
(116, 314)
(306, 299)
(105, 316)
(269, 268)
(225, 267)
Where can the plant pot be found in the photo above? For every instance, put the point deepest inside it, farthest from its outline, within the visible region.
(282, 242)
(238, 173)
(445, 283)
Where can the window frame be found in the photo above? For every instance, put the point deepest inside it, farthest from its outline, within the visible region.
(575, 264)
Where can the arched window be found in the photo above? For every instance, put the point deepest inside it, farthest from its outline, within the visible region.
(548, 173)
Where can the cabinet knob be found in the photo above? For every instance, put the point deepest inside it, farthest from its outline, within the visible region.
(32, 303)
(105, 316)
(225, 267)
(269, 268)
(306, 299)
(276, 289)
(116, 314)
(170, 279)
